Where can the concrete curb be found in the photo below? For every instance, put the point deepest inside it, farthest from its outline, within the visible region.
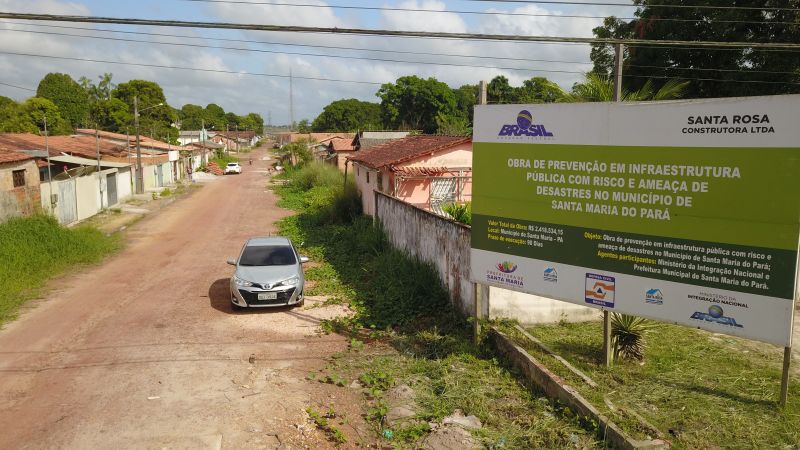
(555, 387)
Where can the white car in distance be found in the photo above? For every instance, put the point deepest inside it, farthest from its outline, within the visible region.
(233, 167)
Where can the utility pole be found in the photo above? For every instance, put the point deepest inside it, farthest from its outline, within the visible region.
(291, 100)
(483, 98)
(619, 50)
(49, 172)
(139, 173)
(99, 169)
(481, 290)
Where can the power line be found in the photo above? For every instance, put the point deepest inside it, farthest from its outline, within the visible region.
(196, 69)
(398, 33)
(159, 66)
(480, 13)
(400, 61)
(18, 87)
(527, 69)
(583, 3)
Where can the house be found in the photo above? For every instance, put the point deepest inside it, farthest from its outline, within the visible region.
(366, 139)
(340, 149)
(121, 139)
(188, 137)
(19, 184)
(425, 171)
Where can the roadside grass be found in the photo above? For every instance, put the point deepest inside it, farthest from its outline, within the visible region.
(35, 249)
(404, 329)
(699, 389)
(222, 159)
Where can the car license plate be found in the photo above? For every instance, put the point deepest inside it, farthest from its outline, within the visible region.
(268, 296)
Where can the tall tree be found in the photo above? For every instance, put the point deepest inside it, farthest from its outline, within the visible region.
(215, 117)
(192, 117)
(597, 88)
(500, 91)
(701, 65)
(415, 103)
(28, 117)
(112, 115)
(154, 120)
(538, 90)
(348, 115)
(466, 99)
(70, 98)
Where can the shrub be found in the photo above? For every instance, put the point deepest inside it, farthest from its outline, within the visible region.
(316, 174)
(460, 213)
(627, 336)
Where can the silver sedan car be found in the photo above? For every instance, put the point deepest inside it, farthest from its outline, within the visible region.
(268, 273)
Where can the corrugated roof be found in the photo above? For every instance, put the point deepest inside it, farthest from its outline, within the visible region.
(81, 145)
(87, 162)
(144, 141)
(406, 149)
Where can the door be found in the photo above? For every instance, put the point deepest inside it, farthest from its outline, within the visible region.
(159, 176)
(111, 188)
(67, 202)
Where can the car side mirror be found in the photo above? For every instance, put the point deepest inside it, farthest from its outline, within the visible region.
(232, 262)
(304, 259)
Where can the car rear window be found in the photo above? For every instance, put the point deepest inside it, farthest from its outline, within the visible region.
(268, 255)
(233, 164)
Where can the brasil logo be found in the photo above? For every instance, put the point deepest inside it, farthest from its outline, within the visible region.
(525, 127)
(507, 267)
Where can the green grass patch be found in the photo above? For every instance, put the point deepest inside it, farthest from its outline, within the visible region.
(699, 389)
(35, 249)
(222, 159)
(401, 303)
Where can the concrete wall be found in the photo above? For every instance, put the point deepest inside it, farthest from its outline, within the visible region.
(367, 182)
(124, 185)
(20, 201)
(434, 239)
(446, 244)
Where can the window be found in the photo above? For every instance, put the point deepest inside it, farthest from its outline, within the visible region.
(380, 181)
(368, 177)
(267, 255)
(19, 178)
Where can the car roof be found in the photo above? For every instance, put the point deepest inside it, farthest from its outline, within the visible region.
(233, 164)
(268, 240)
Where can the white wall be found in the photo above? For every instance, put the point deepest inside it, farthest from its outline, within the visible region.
(532, 309)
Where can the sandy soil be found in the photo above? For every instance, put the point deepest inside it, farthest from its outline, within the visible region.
(144, 350)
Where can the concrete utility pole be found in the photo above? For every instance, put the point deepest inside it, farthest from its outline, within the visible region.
(139, 173)
(49, 172)
(483, 97)
(291, 100)
(619, 50)
(99, 169)
(481, 290)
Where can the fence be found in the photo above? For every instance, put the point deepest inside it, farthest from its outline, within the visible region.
(446, 245)
(79, 198)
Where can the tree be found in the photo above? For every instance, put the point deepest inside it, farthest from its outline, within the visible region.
(538, 90)
(597, 88)
(414, 103)
(453, 126)
(28, 117)
(215, 117)
(304, 126)
(99, 91)
(500, 91)
(112, 115)
(156, 121)
(466, 99)
(70, 98)
(192, 117)
(348, 115)
(763, 23)
(252, 121)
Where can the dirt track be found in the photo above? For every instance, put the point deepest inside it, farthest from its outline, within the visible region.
(145, 352)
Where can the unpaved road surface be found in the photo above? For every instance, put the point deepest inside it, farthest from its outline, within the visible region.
(144, 350)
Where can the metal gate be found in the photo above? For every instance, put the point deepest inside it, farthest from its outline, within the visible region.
(443, 192)
(159, 176)
(111, 188)
(66, 206)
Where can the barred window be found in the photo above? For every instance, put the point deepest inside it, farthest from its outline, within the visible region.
(380, 181)
(368, 177)
(19, 178)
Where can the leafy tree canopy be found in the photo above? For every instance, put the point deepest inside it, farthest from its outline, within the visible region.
(752, 25)
(348, 115)
(28, 117)
(70, 98)
(154, 120)
(414, 103)
(113, 115)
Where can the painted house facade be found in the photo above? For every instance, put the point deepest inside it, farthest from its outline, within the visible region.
(425, 171)
(19, 185)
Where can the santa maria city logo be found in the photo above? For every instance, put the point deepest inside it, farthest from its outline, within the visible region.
(550, 275)
(502, 273)
(600, 290)
(525, 126)
(507, 267)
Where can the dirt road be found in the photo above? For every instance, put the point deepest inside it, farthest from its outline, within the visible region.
(144, 351)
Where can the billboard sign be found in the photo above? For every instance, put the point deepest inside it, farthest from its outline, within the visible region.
(685, 212)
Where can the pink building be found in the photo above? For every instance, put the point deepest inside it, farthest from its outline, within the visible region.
(425, 171)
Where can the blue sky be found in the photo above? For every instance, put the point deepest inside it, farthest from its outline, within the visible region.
(243, 93)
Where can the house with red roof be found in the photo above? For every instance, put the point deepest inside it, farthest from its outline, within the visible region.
(19, 184)
(425, 171)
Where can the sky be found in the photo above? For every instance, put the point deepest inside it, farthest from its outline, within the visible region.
(305, 55)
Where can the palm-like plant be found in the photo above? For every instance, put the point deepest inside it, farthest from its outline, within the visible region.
(597, 88)
(627, 336)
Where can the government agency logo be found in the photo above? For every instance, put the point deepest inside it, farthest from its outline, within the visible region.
(525, 126)
(550, 275)
(503, 273)
(600, 290)
(654, 297)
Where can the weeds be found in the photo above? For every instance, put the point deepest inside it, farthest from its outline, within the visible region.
(460, 213)
(334, 434)
(35, 249)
